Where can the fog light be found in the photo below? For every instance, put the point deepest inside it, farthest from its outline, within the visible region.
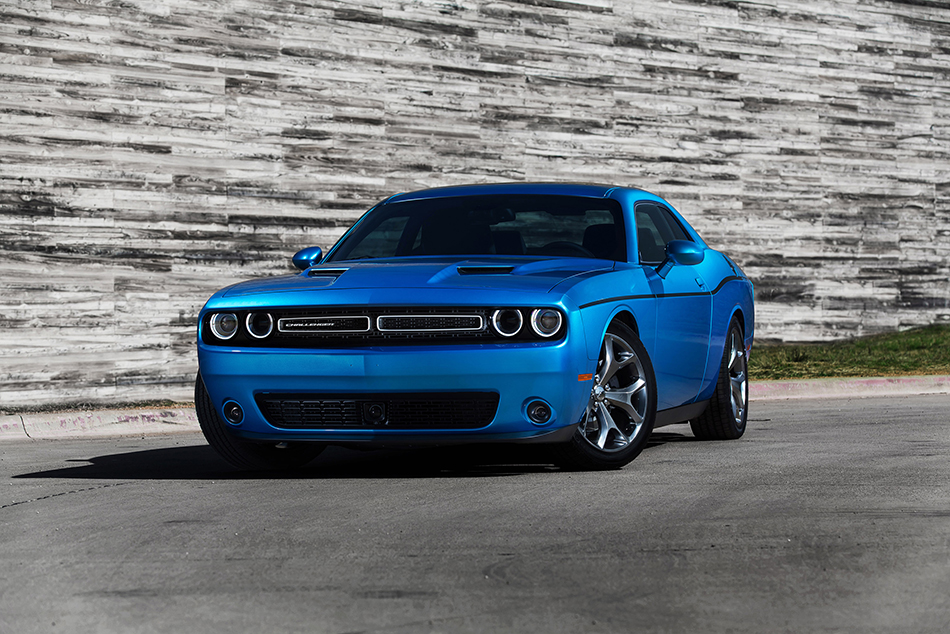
(507, 321)
(224, 325)
(545, 322)
(538, 412)
(233, 413)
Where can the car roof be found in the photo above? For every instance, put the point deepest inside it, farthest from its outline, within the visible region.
(555, 189)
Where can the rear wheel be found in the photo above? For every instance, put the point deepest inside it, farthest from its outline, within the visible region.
(725, 417)
(247, 454)
(621, 409)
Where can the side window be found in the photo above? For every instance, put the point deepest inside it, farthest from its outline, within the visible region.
(656, 226)
(676, 229)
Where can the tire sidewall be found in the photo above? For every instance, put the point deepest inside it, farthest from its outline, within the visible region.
(244, 454)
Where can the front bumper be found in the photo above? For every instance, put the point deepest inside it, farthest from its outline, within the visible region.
(517, 372)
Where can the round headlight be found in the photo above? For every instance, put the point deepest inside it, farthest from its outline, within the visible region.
(545, 322)
(259, 325)
(224, 325)
(507, 321)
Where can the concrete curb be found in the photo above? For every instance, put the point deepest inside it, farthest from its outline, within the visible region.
(11, 428)
(848, 387)
(141, 422)
(126, 422)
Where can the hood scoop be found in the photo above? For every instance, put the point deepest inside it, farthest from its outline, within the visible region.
(485, 270)
(323, 277)
(334, 273)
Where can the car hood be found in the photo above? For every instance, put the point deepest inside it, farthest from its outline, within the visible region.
(516, 273)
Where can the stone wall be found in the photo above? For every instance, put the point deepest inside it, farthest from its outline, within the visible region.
(152, 151)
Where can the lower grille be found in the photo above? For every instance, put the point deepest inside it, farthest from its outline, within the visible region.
(438, 410)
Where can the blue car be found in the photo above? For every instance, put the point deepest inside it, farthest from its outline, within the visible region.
(579, 316)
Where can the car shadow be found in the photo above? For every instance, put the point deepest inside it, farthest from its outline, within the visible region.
(202, 463)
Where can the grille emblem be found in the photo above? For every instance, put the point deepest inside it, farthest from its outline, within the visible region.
(359, 323)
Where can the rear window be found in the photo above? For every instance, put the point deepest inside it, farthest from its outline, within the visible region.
(556, 226)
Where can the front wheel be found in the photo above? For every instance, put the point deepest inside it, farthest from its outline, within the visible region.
(247, 454)
(621, 408)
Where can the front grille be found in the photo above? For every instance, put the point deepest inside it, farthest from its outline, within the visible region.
(429, 323)
(387, 326)
(438, 410)
(355, 326)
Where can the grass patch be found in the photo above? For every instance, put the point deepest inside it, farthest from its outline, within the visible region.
(922, 351)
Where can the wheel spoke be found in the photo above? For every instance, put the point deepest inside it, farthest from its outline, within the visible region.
(613, 360)
(736, 354)
(609, 367)
(623, 439)
(623, 398)
(738, 382)
(738, 393)
(606, 422)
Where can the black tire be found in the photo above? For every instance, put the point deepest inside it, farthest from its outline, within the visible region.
(609, 436)
(246, 454)
(725, 417)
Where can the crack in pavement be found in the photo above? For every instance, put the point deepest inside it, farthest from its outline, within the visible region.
(62, 493)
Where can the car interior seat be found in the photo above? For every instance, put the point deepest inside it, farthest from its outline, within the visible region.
(508, 242)
(603, 241)
(444, 235)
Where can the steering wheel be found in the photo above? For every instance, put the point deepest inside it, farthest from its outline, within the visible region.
(566, 248)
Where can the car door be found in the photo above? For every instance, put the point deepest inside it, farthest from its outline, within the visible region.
(683, 309)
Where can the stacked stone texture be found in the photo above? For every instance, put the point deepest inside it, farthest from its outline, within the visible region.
(152, 151)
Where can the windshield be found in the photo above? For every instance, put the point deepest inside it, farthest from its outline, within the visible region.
(572, 226)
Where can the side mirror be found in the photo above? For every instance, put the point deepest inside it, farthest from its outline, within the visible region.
(305, 258)
(682, 252)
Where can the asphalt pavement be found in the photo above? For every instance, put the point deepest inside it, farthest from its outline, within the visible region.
(829, 515)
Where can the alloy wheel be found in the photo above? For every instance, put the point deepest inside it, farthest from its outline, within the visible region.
(738, 378)
(618, 399)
